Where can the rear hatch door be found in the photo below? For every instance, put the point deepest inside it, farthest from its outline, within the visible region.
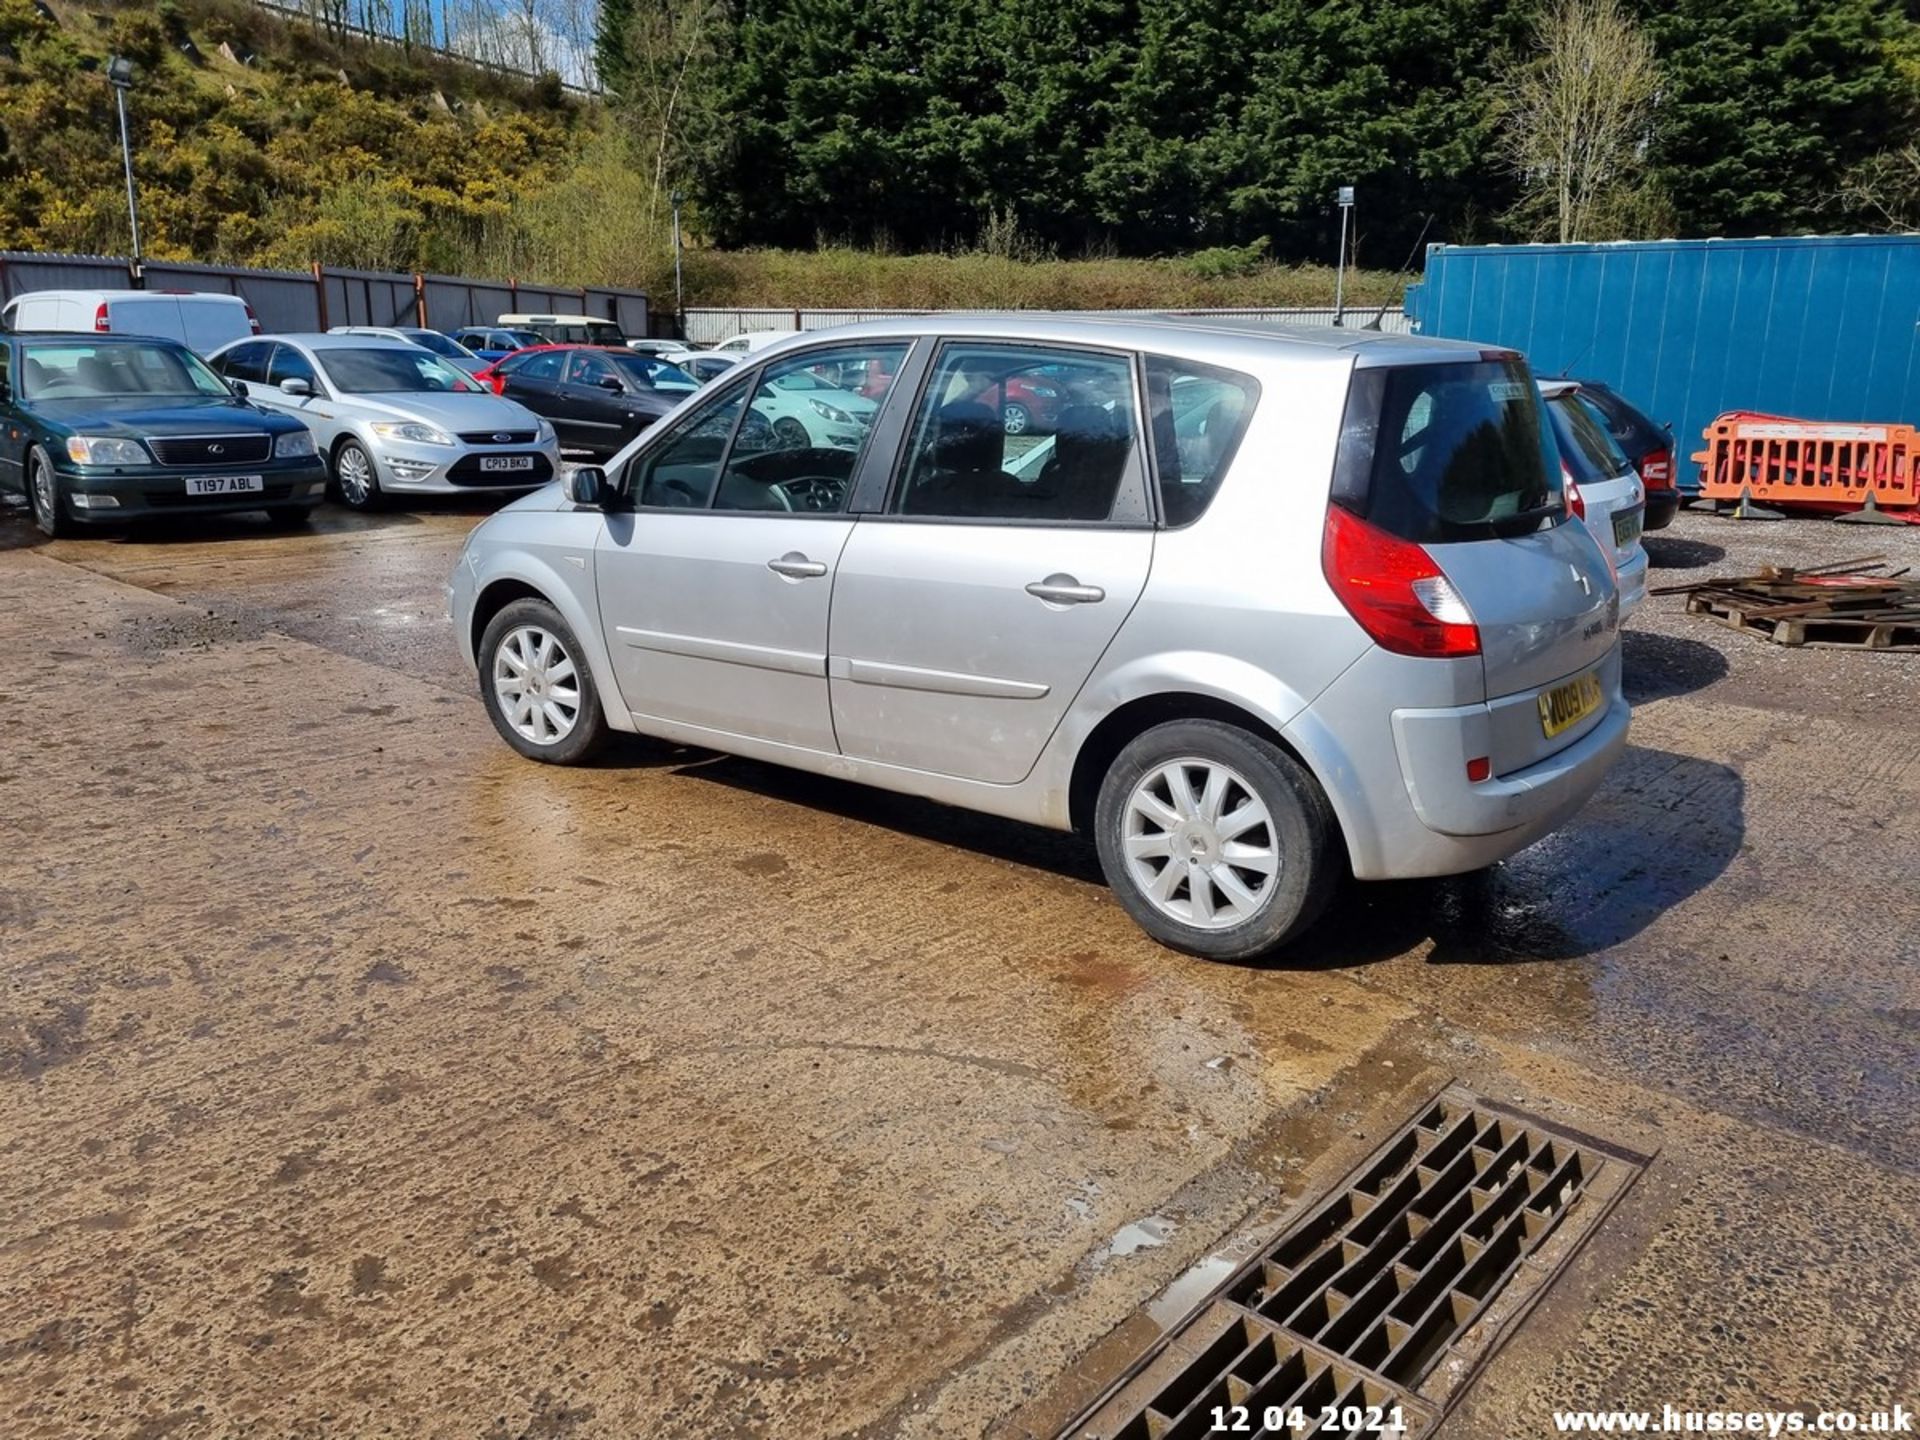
(1465, 464)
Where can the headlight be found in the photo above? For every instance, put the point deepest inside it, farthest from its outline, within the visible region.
(830, 412)
(96, 450)
(411, 431)
(1045, 392)
(544, 433)
(294, 445)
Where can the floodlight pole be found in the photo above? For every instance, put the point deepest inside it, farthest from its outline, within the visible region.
(1340, 273)
(679, 309)
(120, 76)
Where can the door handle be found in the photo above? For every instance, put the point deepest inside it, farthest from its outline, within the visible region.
(1065, 590)
(796, 566)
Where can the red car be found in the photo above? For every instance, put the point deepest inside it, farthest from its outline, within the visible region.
(1030, 400)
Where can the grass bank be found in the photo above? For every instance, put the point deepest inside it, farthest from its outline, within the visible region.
(858, 279)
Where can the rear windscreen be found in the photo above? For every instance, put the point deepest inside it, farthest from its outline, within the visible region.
(1586, 448)
(1636, 434)
(1440, 453)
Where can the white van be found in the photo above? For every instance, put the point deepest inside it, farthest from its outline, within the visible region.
(567, 329)
(201, 322)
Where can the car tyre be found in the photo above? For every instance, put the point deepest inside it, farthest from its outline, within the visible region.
(44, 495)
(1199, 870)
(791, 434)
(1015, 418)
(355, 477)
(537, 687)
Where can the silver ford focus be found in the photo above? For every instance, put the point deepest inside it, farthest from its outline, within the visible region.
(392, 417)
(1265, 607)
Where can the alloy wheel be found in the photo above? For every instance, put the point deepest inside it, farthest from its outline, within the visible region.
(354, 470)
(1200, 844)
(537, 684)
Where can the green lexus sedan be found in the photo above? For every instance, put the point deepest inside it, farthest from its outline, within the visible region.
(105, 429)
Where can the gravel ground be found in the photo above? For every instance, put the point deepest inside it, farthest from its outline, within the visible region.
(1670, 652)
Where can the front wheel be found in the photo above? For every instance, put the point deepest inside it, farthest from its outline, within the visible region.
(43, 493)
(1216, 841)
(536, 685)
(355, 477)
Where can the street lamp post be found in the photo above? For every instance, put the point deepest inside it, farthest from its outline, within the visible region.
(678, 308)
(1340, 274)
(120, 76)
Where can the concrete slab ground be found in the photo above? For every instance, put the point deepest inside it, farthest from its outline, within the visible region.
(359, 1078)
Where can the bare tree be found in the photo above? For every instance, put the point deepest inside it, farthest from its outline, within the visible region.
(1578, 113)
(667, 45)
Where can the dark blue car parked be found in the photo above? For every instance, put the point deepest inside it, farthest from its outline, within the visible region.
(100, 429)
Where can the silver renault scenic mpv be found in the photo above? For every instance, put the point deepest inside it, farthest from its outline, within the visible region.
(1255, 607)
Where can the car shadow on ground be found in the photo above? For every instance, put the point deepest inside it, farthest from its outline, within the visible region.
(1671, 552)
(1664, 828)
(1655, 666)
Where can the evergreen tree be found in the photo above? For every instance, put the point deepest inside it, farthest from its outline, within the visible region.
(1768, 103)
(611, 37)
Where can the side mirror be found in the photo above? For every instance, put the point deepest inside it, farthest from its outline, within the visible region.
(294, 385)
(611, 382)
(587, 485)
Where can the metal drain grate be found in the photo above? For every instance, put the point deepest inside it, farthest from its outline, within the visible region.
(1353, 1308)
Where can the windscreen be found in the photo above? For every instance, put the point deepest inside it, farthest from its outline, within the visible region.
(436, 342)
(1587, 450)
(390, 369)
(81, 370)
(1442, 453)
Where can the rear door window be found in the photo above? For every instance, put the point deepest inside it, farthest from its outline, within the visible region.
(1068, 459)
(1198, 414)
(246, 362)
(1588, 452)
(1442, 453)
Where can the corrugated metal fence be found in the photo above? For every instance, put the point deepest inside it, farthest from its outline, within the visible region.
(297, 300)
(1820, 328)
(711, 325)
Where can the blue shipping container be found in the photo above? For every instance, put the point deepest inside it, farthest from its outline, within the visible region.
(1822, 328)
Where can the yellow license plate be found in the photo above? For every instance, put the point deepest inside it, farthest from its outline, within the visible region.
(1567, 705)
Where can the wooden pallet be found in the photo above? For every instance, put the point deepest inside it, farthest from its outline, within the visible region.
(1895, 631)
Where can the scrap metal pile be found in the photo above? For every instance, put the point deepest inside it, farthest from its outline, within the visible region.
(1851, 604)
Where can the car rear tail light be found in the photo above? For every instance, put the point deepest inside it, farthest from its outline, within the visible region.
(1396, 592)
(100, 321)
(1656, 470)
(252, 319)
(1479, 768)
(1576, 502)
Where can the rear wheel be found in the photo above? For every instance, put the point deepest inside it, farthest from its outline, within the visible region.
(537, 688)
(1216, 841)
(44, 493)
(1015, 418)
(355, 477)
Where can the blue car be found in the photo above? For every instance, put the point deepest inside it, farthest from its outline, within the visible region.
(103, 429)
(493, 342)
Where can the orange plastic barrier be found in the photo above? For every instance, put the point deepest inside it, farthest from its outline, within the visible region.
(1776, 460)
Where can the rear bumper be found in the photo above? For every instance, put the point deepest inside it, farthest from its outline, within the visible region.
(1662, 506)
(1398, 779)
(1632, 579)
